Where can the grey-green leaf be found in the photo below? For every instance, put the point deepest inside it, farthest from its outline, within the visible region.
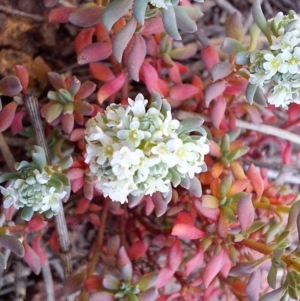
(114, 11)
(232, 46)
(139, 10)
(170, 24)
(12, 243)
(184, 22)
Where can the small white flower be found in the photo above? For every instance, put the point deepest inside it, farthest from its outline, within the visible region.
(280, 96)
(272, 64)
(137, 106)
(52, 200)
(287, 42)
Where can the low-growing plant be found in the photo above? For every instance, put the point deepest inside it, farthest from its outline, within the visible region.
(169, 172)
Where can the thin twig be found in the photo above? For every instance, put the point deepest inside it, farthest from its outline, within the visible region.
(262, 128)
(20, 13)
(7, 154)
(48, 280)
(226, 6)
(31, 103)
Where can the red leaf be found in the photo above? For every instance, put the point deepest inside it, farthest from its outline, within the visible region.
(22, 74)
(38, 249)
(32, 258)
(60, 14)
(94, 219)
(56, 81)
(94, 52)
(194, 263)
(164, 276)
(153, 83)
(245, 212)
(83, 39)
(181, 92)
(175, 255)
(287, 154)
(218, 111)
(17, 123)
(213, 91)
(103, 296)
(136, 57)
(137, 250)
(113, 245)
(10, 85)
(37, 223)
(174, 74)
(76, 135)
(74, 283)
(93, 284)
(82, 206)
(86, 16)
(67, 122)
(223, 224)
(101, 72)
(184, 218)
(213, 267)
(7, 115)
(187, 231)
(211, 213)
(111, 87)
(256, 180)
(86, 89)
(210, 56)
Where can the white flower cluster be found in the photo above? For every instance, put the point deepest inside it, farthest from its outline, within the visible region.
(132, 150)
(32, 190)
(277, 70)
(161, 3)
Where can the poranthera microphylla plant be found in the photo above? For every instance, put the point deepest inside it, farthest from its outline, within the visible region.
(161, 167)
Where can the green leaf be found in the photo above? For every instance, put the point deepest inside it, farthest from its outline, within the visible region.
(27, 213)
(234, 27)
(261, 21)
(250, 92)
(237, 153)
(65, 96)
(139, 10)
(65, 162)
(170, 24)
(12, 243)
(53, 112)
(221, 70)
(185, 182)
(147, 281)
(232, 46)
(39, 157)
(114, 11)
(190, 124)
(243, 58)
(225, 185)
(254, 227)
(184, 22)
(195, 187)
(8, 176)
(274, 295)
(62, 178)
(175, 177)
(272, 276)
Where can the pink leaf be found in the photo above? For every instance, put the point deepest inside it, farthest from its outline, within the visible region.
(22, 74)
(37, 223)
(101, 72)
(164, 276)
(50, 3)
(83, 39)
(213, 91)
(32, 258)
(181, 92)
(256, 180)
(194, 263)
(210, 56)
(175, 255)
(94, 52)
(77, 184)
(211, 213)
(159, 204)
(111, 87)
(56, 81)
(122, 39)
(213, 267)
(137, 250)
(113, 245)
(60, 14)
(124, 264)
(253, 285)
(187, 231)
(174, 74)
(17, 123)
(86, 16)
(153, 26)
(245, 212)
(103, 296)
(136, 57)
(184, 218)
(153, 83)
(67, 122)
(86, 89)
(82, 206)
(75, 173)
(218, 111)
(10, 85)
(7, 115)
(76, 135)
(38, 249)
